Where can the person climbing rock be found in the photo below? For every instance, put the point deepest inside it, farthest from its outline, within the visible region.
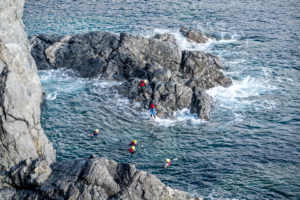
(168, 163)
(152, 109)
(132, 149)
(141, 86)
(95, 132)
(133, 143)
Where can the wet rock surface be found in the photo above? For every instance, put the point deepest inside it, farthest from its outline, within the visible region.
(193, 35)
(92, 178)
(132, 58)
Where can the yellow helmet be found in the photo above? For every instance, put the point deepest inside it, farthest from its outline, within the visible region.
(133, 147)
(96, 130)
(168, 160)
(145, 80)
(134, 141)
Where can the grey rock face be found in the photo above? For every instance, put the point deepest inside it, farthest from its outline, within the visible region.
(21, 135)
(201, 103)
(157, 73)
(168, 96)
(166, 37)
(151, 50)
(193, 35)
(30, 173)
(121, 67)
(203, 70)
(96, 178)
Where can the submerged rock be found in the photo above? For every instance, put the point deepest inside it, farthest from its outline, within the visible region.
(93, 178)
(193, 35)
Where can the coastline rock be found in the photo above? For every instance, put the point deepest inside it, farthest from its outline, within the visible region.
(193, 35)
(30, 173)
(203, 70)
(21, 135)
(95, 178)
(166, 37)
(131, 58)
(121, 67)
(201, 103)
(146, 50)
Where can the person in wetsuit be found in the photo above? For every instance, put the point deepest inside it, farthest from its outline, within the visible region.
(133, 143)
(168, 163)
(95, 133)
(152, 107)
(141, 86)
(132, 150)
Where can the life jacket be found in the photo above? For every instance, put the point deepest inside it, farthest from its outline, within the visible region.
(152, 105)
(142, 83)
(130, 150)
(132, 144)
(169, 163)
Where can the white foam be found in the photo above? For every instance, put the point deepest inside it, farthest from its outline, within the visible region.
(51, 96)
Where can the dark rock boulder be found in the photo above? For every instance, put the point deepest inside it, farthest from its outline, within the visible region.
(39, 44)
(30, 173)
(96, 178)
(121, 67)
(168, 96)
(156, 72)
(193, 35)
(201, 103)
(147, 50)
(166, 37)
(203, 70)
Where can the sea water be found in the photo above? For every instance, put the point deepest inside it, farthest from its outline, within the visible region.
(250, 148)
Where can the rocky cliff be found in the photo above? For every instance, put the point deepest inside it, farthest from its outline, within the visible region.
(21, 135)
(87, 179)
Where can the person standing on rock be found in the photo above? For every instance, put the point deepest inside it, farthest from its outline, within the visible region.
(141, 86)
(152, 109)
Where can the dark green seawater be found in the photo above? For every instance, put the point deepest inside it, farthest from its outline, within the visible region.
(250, 149)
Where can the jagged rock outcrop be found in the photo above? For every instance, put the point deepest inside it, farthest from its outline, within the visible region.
(93, 178)
(21, 135)
(193, 35)
(203, 70)
(132, 58)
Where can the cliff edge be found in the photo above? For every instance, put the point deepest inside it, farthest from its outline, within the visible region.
(21, 135)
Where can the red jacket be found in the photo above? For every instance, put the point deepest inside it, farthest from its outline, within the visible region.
(132, 144)
(152, 105)
(169, 163)
(142, 83)
(130, 150)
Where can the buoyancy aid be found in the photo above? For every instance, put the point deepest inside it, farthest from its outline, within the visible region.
(142, 83)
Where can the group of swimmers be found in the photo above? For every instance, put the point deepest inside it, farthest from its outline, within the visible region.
(132, 151)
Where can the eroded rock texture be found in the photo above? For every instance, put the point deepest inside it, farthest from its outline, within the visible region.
(131, 58)
(21, 135)
(94, 178)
